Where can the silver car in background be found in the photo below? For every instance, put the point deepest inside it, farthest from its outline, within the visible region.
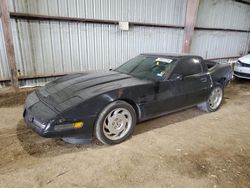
(242, 67)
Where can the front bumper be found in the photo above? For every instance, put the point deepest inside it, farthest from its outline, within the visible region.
(43, 129)
(242, 71)
(42, 119)
(241, 75)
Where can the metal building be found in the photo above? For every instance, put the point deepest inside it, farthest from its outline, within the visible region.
(55, 37)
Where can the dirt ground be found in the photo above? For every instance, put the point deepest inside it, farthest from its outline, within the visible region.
(185, 149)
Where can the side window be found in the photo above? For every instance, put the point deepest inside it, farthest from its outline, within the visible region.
(189, 66)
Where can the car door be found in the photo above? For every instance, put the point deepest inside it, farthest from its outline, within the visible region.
(187, 86)
(171, 95)
(197, 88)
(195, 81)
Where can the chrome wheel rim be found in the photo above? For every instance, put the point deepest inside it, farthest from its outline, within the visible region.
(215, 98)
(117, 124)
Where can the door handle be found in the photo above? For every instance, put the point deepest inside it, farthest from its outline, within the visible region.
(204, 79)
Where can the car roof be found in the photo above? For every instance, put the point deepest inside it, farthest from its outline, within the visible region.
(172, 55)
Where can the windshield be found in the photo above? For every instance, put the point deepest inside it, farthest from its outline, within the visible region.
(149, 67)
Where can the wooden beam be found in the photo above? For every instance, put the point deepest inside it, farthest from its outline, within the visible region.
(40, 17)
(221, 29)
(5, 16)
(191, 15)
(242, 1)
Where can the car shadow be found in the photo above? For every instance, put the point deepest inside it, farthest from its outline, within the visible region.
(38, 146)
(168, 119)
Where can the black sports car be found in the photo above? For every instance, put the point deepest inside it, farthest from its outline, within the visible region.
(108, 105)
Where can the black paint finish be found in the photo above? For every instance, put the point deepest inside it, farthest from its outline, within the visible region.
(81, 97)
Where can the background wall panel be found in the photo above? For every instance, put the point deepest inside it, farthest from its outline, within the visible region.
(62, 47)
(154, 11)
(216, 44)
(223, 14)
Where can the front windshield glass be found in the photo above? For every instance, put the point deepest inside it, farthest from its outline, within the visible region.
(149, 67)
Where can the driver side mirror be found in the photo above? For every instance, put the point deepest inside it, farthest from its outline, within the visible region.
(176, 77)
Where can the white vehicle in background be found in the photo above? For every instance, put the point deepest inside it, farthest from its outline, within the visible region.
(242, 67)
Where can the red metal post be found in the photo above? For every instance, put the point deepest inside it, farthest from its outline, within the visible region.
(191, 15)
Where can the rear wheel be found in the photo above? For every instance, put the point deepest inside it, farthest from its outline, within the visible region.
(214, 100)
(115, 123)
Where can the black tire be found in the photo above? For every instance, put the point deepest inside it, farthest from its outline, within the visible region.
(205, 106)
(99, 125)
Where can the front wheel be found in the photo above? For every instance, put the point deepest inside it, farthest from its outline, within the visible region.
(214, 100)
(115, 123)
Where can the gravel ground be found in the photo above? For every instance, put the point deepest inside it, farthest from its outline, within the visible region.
(185, 149)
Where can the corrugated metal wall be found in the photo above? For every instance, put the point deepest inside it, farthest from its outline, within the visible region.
(216, 44)
(154, 11)
(56, 47)
(221, 14)
(47, 47)
(51, 47)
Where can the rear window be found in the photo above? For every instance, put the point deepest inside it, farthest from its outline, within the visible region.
(189, 67)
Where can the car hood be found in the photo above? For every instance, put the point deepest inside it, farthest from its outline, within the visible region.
(70, 90)
(245, 59)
